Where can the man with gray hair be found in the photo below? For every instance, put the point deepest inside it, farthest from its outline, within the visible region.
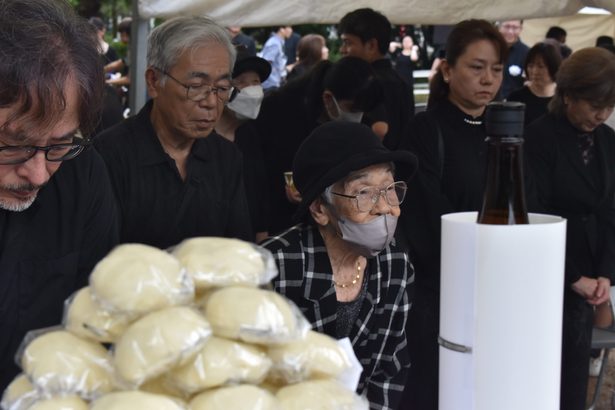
(57, 215)
(173, 176)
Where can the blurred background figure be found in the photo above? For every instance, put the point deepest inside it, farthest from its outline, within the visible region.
(366, 34)
(239, 38)
(119, 70)
(311, 49)
(606, 42)
(113, 109)
(517, 51)
(109, 54)
(541, 65)
(236, 125)
(571, 154)
(290, 47)
(406, 59)
(273, 52)
(558, 34)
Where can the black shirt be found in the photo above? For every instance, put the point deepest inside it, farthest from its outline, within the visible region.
(48, 251)
(405, 68)
(246, 41)
(513, 69)
(450, 178)
(398, 102)
(284, 121)
(535, 106)
(157, 207)
(255, 176)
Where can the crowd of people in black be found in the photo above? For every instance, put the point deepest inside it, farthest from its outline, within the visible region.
(323, 163)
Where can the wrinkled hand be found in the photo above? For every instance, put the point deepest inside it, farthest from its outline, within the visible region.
(594, 291)
(293, 196)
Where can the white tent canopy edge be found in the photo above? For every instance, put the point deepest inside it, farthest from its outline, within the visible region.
(271, 12)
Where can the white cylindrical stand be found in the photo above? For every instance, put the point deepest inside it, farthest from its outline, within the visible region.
(501, 313)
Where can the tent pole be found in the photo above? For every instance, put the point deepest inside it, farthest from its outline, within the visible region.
(138, 63)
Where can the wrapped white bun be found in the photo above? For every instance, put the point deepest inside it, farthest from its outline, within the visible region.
(220, 262)
(60, 363)
(160, 385)
(60, 403)
(136, 400)
(241, 397)
(219, 362)
(315, 357)
(157, 342)
(86, 319)
(136, 279)
(19, 394)
(254, 315)
(319, 395)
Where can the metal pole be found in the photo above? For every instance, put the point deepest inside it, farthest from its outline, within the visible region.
(138, 63)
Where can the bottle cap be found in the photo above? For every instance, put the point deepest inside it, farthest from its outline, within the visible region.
(505, 118)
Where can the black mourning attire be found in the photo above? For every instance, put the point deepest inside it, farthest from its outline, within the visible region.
(157, 206)
(48, 251)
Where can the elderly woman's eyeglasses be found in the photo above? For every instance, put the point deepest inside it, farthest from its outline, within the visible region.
(17, 154)
(201, 92)
(367, 198)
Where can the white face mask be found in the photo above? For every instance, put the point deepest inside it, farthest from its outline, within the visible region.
(369, 238)
(345, 115)
(247, 102)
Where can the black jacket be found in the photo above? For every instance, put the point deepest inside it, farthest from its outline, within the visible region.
(584, 195)
(48, 251)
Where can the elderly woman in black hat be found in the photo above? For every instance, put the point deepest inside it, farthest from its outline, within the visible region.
(235, 125)
(339, 265)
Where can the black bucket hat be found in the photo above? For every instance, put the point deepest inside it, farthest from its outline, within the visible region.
(247, 62)
(334, 150)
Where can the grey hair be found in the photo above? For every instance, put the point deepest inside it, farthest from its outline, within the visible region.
(327, 195)
(168, 41)
(44, 45)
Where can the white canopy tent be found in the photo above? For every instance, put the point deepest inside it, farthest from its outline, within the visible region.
(583, 28)
(271, 12)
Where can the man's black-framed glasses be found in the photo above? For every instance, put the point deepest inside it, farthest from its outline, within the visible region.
(201, 92)
(367, 198)
(17, 154)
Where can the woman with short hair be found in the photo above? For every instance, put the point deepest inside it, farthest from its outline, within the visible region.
(541, 65)
(572, 158)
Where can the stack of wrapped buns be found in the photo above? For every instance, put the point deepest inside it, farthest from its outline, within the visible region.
(191, 328)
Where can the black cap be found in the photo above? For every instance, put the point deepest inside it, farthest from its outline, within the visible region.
(335, 149)
(247, 62)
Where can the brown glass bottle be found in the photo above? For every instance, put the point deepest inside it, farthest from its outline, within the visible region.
(504, 199)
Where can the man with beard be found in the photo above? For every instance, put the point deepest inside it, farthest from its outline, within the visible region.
(57, 215)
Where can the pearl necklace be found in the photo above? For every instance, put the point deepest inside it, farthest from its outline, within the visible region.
(354, 281)
(472, 122)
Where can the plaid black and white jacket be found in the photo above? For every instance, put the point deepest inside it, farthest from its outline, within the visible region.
(378, 336)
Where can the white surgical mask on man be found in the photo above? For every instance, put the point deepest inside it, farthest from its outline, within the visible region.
(247, 102)
(345, 115)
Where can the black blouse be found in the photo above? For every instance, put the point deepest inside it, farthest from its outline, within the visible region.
(451, 149)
